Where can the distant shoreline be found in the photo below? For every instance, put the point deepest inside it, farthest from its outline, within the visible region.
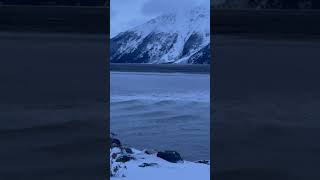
(268, 22)
(54, 19)
(75, 19)
(162, 68)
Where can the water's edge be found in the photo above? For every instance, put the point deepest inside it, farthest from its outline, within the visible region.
(164, 68)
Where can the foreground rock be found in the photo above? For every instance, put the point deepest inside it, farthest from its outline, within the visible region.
(171, 156)
(203, 162)
(114, 143)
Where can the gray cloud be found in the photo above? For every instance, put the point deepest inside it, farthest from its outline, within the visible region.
(126, 14)
(152, 7)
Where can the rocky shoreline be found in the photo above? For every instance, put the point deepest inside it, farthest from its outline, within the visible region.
(129, 163)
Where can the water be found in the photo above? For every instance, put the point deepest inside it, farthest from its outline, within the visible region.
(162, 111)
(52, 106)
(266, 120)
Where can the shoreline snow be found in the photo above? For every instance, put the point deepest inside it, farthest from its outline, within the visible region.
(132, 164)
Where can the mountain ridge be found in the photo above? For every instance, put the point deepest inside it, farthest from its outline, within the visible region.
(169, 38)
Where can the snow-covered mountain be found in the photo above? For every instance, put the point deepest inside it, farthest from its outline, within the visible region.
(177, 37)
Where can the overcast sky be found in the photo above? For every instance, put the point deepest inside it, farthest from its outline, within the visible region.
(126, 14)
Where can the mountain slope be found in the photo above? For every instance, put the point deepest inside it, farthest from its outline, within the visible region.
(178, 37)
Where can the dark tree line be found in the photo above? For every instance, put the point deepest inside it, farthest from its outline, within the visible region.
(55, 2)
(285, 4)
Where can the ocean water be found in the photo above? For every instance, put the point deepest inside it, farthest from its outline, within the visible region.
(162, 111)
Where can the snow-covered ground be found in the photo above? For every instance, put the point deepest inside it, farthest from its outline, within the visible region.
(150, 167)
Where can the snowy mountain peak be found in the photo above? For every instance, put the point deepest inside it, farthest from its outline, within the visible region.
(177, 37)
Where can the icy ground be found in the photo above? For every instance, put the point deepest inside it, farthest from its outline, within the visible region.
(148, 167)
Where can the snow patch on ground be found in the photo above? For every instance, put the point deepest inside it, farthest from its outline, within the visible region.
(149, 166)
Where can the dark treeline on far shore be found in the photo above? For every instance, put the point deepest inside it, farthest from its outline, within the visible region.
(268, 4)
(161, 68)
(55, 2)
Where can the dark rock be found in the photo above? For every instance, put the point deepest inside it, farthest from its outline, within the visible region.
(114, 155)
(203, 162)
(171, 156)
(128, 150)
(150, 151)
(115, 171)
(112, 135)
(141, 53)
(193, 42)
(114, 143)
(203, 56)
(148, 164)
(124, 158)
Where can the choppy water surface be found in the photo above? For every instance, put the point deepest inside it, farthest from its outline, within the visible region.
(162, 111)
